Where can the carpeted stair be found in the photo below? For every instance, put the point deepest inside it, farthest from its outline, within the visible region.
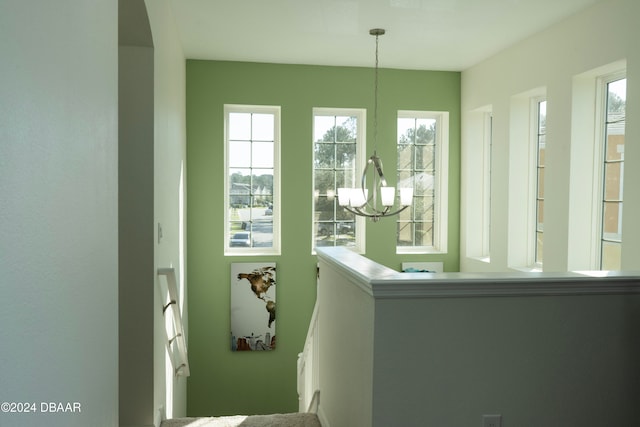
(274, 420)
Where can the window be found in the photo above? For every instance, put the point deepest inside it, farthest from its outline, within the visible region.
(338, 138)
(613, 134)
(475, 174)
(252, 153)
(540, 121)
(591, 138)
(486, 181)
(525, 198)
(423, 164)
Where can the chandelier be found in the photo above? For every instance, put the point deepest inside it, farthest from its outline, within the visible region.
(380, 201)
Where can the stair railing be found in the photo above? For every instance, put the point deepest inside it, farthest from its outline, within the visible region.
(176, 342)
(308, 375)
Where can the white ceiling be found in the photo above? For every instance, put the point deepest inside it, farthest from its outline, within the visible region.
(421, 34)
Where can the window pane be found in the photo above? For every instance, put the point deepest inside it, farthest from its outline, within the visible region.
(423, 184)
(406, 215)
(415, 233)
(239, 154)
(324, 209)
(425, 157)
(324, 182)
(613, 181)
(615, 141)
(425, 131)
(262, 229)
(345, 156)
(540, 215)
(346, 178)
(611, 256)
(262, 155)
(345, 129)
(262, 184)
(616, 98)
(539, 245)
(542, 117)
(406, 179)
(405, 157)
(541, 149)
(239, 126)
(405, 130)
(239, 182)
(344, 215)
(334, 234)
(423, 233)
(612, 221)
(405, 233)
(423, 208)
(262, 127)
(541, 183)
(323, 128)
(324, 155)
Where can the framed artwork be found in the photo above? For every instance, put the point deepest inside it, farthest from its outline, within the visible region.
(253, 306)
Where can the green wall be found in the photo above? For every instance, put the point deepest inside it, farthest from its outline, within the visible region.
(223, 382)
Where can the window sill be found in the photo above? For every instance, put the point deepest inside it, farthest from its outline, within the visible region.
(249, 252)
(484, 259)
(419, 250)
(534, 269)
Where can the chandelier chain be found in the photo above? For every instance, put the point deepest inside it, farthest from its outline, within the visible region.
(375, 103)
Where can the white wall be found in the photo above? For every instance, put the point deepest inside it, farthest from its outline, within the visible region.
(169, 187)
(552, 61)
(58, 215)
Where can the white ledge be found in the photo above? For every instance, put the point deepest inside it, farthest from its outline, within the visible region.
(382, 282)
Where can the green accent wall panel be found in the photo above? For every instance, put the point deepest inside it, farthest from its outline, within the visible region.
(223, 382)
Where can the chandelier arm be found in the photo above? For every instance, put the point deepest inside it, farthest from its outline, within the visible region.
(385, 212)
(377, 162)
(360, 212)
(395, 212)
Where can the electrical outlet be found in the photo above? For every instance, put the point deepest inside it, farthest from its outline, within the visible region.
(491, 420)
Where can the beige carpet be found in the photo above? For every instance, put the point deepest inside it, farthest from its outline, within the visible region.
(275, 420)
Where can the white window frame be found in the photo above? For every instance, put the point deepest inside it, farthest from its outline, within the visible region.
(534, 166)
(253, 251)
(476, 174)
(441, 185)
(522, 176)
(586, 163)
(599, 157)
(361, 118)
(487, 149)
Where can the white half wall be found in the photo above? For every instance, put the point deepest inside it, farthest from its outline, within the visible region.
(444, 349)
(59, 210)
